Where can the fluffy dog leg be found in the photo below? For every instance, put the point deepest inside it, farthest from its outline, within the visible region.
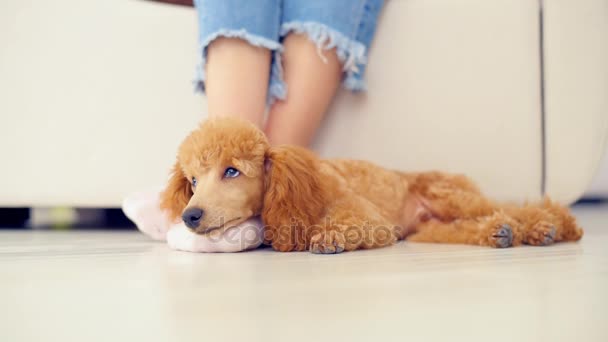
(546, 223)
(343, 237)
(353, 224)
(498, 230)
(451, 197)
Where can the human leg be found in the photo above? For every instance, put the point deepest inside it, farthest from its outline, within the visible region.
(325, 43)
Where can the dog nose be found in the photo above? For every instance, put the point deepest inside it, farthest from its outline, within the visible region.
(192, 217)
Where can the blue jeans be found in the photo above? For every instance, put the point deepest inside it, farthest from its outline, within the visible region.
(346, 25)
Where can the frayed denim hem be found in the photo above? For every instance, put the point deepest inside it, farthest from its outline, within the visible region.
(351, 53)
(277, 88)
(354, 84)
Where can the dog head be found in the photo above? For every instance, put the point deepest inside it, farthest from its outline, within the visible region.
(217, 181)
(226, 172)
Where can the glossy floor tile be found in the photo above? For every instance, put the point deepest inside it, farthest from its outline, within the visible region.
(119, 286)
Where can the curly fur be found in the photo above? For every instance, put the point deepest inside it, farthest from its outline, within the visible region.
(177, 194)
(330, 206)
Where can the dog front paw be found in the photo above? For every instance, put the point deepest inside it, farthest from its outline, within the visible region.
(329, 242)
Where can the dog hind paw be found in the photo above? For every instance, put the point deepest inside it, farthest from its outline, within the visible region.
(542, 234)
(502, 236)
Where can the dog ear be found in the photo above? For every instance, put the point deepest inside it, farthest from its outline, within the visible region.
(294, 197)
(177, 194)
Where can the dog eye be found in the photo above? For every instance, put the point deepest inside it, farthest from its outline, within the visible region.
(231, 173)
(194, 182)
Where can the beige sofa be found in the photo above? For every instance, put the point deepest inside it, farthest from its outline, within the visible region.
(599, 186)
(96, 95)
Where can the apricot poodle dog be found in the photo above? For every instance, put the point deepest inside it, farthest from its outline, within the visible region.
(226, 172)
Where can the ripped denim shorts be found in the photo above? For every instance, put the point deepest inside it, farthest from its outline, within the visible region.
(346, 25)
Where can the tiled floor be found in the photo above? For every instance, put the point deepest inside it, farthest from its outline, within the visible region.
(119, 286)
